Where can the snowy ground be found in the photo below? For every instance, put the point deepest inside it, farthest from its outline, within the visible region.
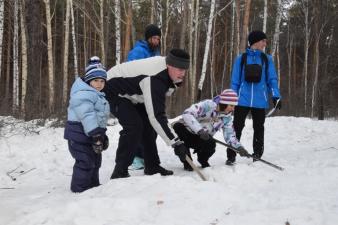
(306, 192)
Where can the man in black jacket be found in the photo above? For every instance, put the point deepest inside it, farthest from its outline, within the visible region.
(136, 92)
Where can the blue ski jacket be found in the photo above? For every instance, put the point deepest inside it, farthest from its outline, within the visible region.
(88, 112)
(255, 95)
(141, 50)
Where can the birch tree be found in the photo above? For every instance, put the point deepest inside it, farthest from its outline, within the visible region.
(307, 31)
(238, 19)
(65, 56)
(103, 51)
(50, 57)
(76, 71)
(195, 51)
(16, 59)
(207, 46)
(1, 31)
(24, 59)
(265, 15)
(117, 13)
(191, 31)
(276, 34)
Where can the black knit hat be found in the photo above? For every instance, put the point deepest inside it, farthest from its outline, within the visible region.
(256, 36)
(178, 58)
(152, 30)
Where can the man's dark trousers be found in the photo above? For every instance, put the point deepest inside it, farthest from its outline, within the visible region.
(258, 119)
(136, 129)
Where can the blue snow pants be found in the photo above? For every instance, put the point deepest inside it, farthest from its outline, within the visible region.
(86, 167)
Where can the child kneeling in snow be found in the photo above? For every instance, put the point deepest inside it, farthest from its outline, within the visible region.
(202, 120)
(88, 112)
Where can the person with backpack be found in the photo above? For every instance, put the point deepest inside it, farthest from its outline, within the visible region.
(149, 47)
(202, 120)
(254, 79)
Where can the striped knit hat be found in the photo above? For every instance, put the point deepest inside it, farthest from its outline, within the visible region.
(94, 70)
(228, 97)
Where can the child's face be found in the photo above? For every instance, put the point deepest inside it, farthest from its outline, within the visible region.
(97, 83)
(227, 109)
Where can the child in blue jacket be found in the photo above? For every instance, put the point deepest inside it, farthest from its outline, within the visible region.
(88, 112)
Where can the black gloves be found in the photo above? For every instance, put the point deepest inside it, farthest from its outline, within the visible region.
(242, 152)
(100, 142)
(277, 103)
(180, 150)
(204, 135)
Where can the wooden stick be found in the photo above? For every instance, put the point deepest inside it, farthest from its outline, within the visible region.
(197, 170)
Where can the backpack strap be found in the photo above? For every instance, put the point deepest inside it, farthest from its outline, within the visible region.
(243, 63)
(265, 61)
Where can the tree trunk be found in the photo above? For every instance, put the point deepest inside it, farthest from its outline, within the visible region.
(129, 20)
(101, 34)
(265, 15)
(2, 3)
(306, 51)
(50, 57)
(207, 46)
(195, 52)
(16, 59)
(76, 71)
(117, 32)
(24, 59)
(238, 19)
(65, 57)
(276, 34)
(245, 25)
(191, 31)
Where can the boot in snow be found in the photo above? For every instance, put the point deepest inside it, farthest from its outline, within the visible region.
(138, 163)
(157, 169)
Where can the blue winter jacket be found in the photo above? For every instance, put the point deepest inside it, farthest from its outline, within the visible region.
(88, 112)
(255, 95)
(141, 50)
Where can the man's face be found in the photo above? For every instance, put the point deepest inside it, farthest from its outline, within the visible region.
(176, 74)
(260, 45)
(154, 41)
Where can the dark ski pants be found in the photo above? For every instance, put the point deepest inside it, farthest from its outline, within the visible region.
(258, 119)
(136, 131)
(86, 167)
(204, 149)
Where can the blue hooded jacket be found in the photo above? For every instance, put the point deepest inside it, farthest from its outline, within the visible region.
(255, 95)
(141, 50)
(88, 112)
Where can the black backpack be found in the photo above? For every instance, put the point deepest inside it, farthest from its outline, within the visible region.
(253, 72)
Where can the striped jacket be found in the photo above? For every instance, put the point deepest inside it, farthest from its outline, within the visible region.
(145, 81)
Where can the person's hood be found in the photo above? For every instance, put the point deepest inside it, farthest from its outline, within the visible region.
(80, 85)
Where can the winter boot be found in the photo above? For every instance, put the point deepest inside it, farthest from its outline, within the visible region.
(204, 164)
(230, 162)
(157, 169)
(138, 163)
(187, 166)
(119, 174)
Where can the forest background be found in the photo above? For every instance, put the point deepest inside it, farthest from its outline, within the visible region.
(45, 44)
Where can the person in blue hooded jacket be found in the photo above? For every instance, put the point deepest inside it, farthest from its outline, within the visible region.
(254, 79)
(88, 112)
(146, 48)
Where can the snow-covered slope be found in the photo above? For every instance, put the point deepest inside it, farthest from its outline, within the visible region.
(35, 172)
